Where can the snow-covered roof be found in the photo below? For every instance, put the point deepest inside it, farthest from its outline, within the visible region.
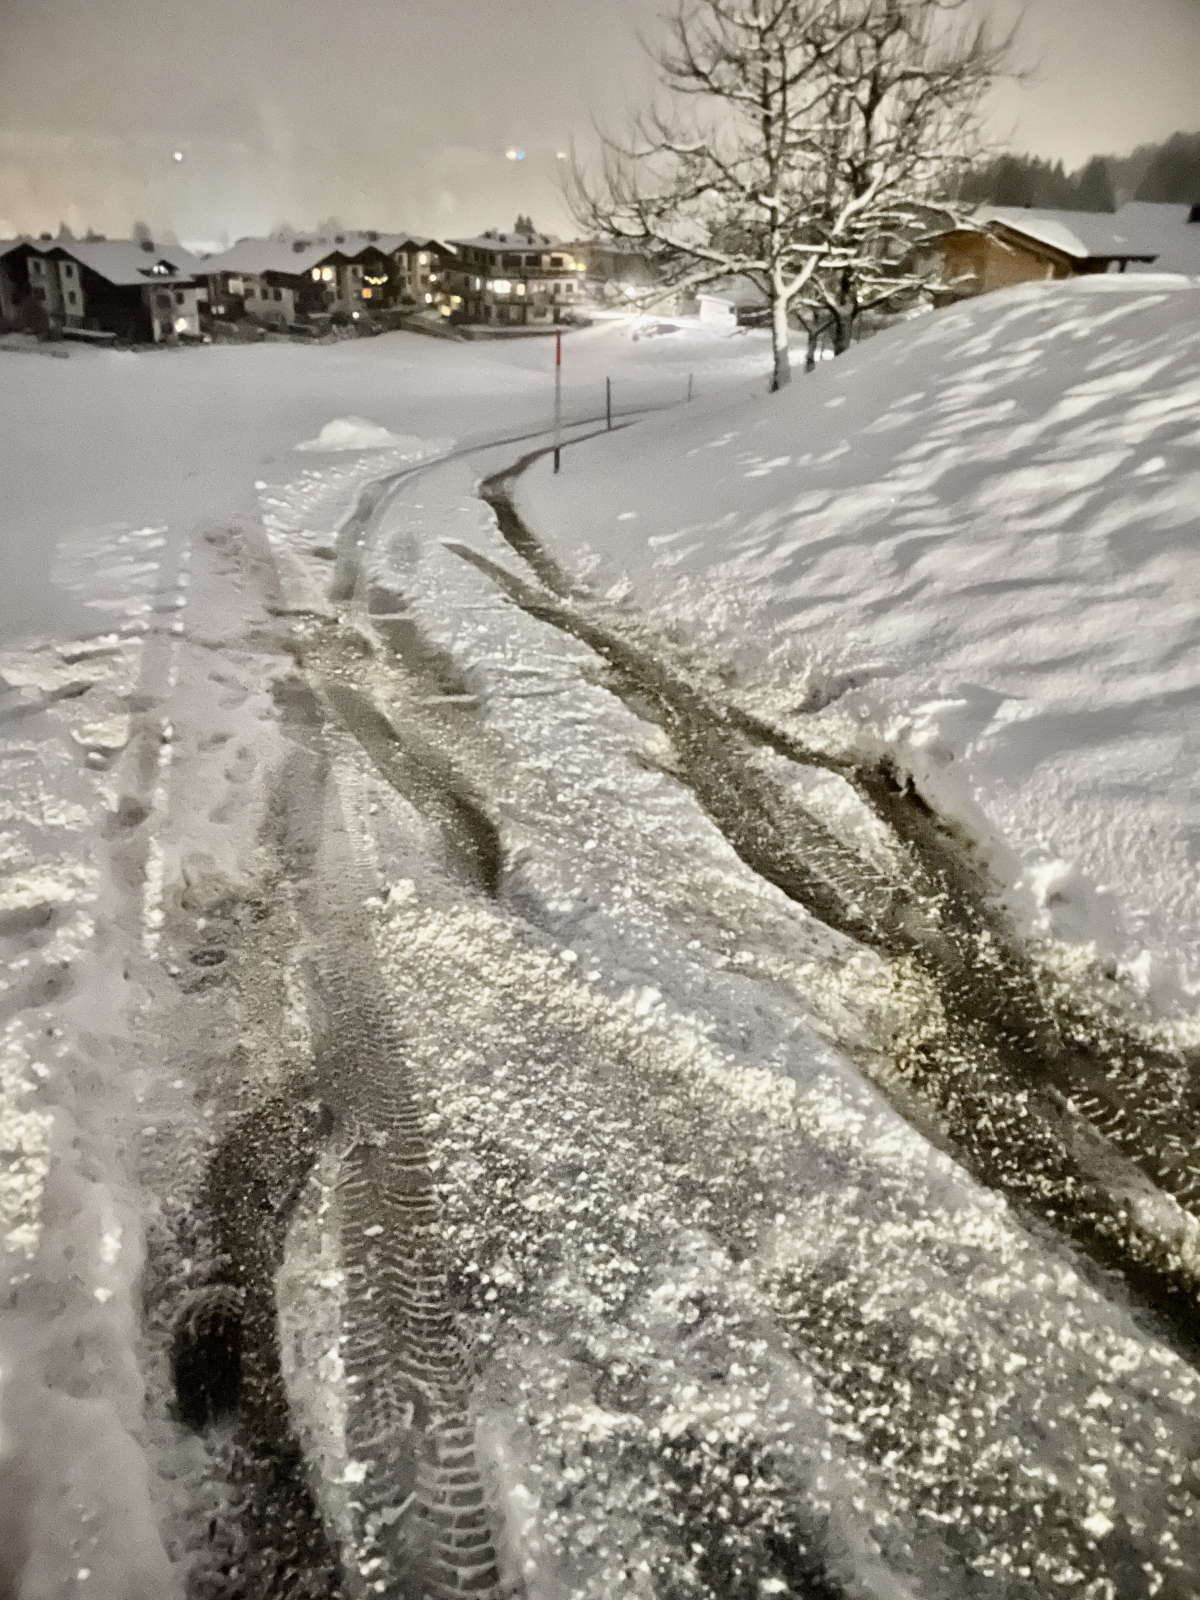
(298, 256)
(1175, 240)
(125, 261)
(738, 290)
(294, 256)
(508, 241)
(1082, 235)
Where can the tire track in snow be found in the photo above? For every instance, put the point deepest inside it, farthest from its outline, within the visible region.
(423, 1526)
(807, 1308)
(1013, 1076)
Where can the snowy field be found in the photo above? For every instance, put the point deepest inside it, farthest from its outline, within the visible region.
(476, 961)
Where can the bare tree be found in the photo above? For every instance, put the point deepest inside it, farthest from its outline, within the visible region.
(799, 143)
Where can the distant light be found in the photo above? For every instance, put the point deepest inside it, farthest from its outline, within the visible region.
(181, 324)
(515, 155)
(562, 155)
(179, 155)
(428, 299)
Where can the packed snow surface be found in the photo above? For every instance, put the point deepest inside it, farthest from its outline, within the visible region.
(722, 1298)
(975, 536)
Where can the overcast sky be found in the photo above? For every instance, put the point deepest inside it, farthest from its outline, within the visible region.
(398, 113)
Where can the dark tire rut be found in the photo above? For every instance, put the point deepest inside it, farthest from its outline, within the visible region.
(1044, 1096)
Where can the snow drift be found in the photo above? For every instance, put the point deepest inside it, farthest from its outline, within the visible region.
(356, 433)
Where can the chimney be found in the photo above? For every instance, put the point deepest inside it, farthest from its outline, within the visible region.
(1194, 213)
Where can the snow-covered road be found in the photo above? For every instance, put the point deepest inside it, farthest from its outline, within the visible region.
(542, 1122)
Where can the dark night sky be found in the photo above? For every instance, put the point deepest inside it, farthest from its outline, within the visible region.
(392, 113)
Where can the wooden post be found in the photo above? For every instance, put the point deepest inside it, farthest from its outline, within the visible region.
(608, 402)
(689, 386)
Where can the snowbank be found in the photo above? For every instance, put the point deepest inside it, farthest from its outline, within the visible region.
(356, 433)
(975, 535)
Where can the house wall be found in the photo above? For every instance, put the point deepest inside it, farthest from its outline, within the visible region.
(272, 301)
(70, 288)
(16, 296)
(349, 284)
(117, 308)
(174, 310)
(415, 273)
(47, 291)
(980, 262)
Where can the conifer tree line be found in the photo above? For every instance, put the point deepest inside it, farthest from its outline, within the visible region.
(1167, 173)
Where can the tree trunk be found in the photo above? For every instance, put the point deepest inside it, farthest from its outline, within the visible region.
(843, 327)
(782, 371)
(810, 355)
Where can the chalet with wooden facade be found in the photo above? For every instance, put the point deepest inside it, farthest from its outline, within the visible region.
(131, 290)
(511, 280)
(1002, 246)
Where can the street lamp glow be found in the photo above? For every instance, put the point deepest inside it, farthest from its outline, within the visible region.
(178, 155)
(515, 155)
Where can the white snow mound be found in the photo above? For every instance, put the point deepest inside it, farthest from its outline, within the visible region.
(356, 433)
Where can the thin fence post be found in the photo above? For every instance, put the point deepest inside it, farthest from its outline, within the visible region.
(689, 386)
(608, 402)
(557, 400)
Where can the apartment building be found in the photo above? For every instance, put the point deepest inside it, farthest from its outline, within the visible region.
(511, 280)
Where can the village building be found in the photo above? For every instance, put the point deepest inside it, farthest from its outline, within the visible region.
(417, 266)
(1003, 245)
(103, 289)
(511, 280)
(283, 282)
(291, 283)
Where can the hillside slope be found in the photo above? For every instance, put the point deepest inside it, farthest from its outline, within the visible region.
(974, 539)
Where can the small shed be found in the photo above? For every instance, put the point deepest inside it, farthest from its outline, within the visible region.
(1004, 245)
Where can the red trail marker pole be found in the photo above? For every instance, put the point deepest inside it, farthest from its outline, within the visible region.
(557, 399)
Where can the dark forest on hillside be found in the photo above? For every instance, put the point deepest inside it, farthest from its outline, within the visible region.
(1168, 172)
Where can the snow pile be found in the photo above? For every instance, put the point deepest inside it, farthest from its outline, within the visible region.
(974, 538)
(356, 433)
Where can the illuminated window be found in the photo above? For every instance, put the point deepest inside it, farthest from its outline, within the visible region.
(520, 288)
(428, 299)
(327, 274)
(316, 272)
(367, 293)
(423, 259)
(502, 286)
